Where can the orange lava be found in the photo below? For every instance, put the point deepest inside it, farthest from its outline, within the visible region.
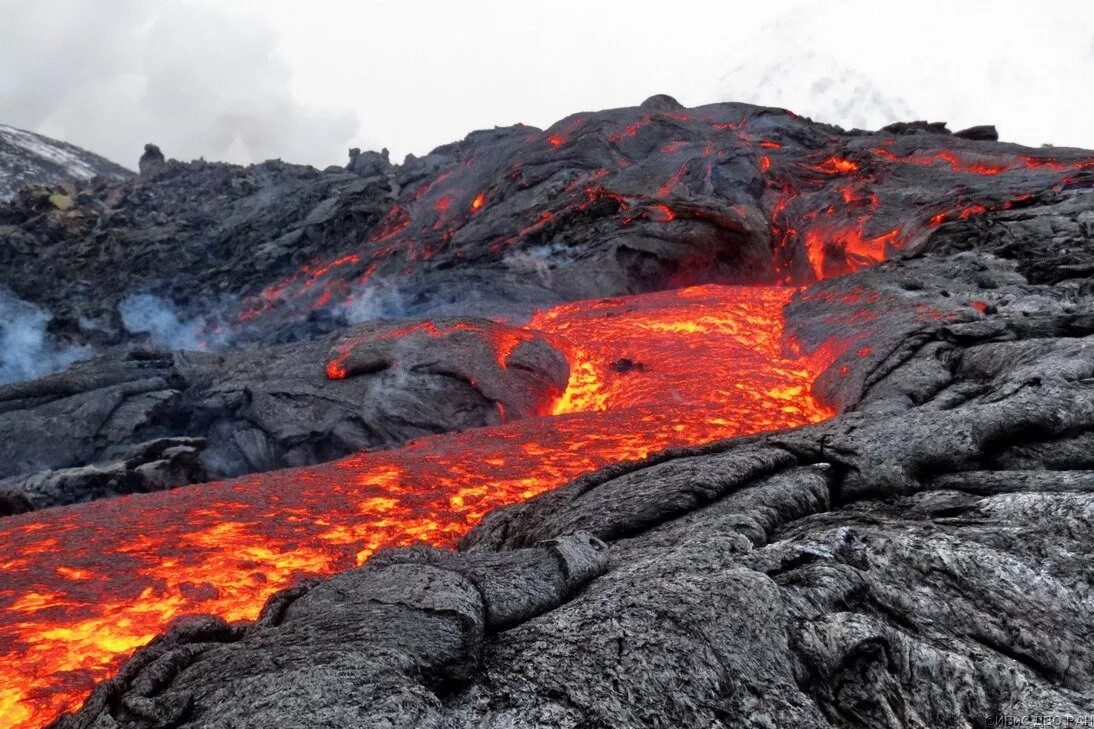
(837, 166)
(84, 586)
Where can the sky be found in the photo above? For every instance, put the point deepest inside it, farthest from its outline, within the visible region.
(248, 80)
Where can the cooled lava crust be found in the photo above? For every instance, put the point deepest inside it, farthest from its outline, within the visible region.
(734, 419)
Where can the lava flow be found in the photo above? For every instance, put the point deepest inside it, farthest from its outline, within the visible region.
(86, 585)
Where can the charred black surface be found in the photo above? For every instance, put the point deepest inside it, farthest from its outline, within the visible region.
(599, 204)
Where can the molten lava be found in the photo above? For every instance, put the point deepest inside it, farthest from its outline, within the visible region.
(86, 585)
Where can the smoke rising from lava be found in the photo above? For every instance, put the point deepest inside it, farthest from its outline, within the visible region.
(27, 350)
(112, 78)
(152, 315)
(379, 299)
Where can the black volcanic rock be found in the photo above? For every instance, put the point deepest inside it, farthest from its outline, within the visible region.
(195, 235)
(369, 164)
(1050, 241)
(603, 203)
(152, 161)
(982, 132)
(148, 420)
(916, 127)
(505, 220)
(27, 158)
(410, 629)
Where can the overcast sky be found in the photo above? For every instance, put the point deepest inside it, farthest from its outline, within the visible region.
(247, 80)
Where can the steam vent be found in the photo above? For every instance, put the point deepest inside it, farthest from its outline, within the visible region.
(659, 417)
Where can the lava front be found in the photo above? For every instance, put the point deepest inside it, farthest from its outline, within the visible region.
(84, 586)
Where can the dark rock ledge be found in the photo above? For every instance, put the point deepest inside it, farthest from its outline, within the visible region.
(145, 420)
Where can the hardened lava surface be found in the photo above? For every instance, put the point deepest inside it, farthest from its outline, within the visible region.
(85, 586)
(920, 559)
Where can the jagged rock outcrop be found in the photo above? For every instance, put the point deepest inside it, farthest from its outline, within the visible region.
(152, 162)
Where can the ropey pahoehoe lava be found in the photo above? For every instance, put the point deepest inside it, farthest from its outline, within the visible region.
(704, 273)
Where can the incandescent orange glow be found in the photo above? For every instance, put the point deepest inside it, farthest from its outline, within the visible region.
(84, 586)
(813, 234)
(837, 166)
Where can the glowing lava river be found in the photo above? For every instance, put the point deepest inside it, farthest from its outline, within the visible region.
(84, 586)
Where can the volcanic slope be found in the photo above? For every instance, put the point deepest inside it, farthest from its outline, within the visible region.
(887, 567)
(600, 204)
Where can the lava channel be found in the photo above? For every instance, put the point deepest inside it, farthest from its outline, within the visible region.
(85, 585)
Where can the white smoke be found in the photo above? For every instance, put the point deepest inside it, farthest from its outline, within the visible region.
(378, 299)
(110, 75)
(27, 350)
(152, 315)
(537, 261)
(822, 88)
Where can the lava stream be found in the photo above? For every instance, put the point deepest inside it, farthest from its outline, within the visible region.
(85, 585)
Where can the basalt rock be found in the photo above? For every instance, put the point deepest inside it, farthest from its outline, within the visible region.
(599, 204)
(195, 235)
(410, 627)
(152, 162)
(113, 425)
(160, 464)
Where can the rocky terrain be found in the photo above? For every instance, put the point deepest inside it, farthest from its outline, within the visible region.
(211, 256)
(920, 559)
(28, 158)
